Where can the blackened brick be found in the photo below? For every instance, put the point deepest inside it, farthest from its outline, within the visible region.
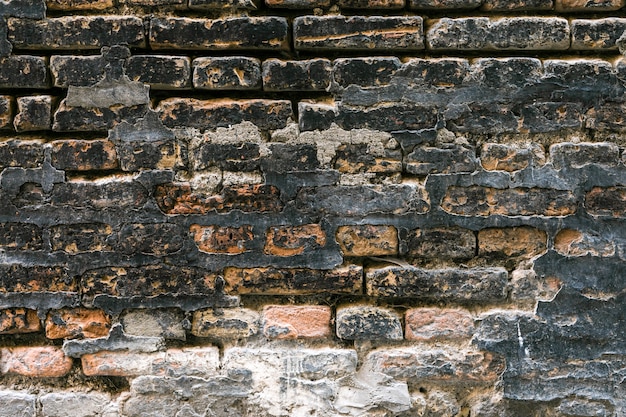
(358, 33)
(82, 237)
(442, 72)
(227, 156)
(599, 34)
(368, 323)
(6, 112)
(84, 155)
(355, 158)
(345, 279)
(23, 236)
(209, 114)
(33, 113)
(442, 160)
(588, 5)
(307, 75)
(231, 33)
(23, 71)
(223, 4)
(69, 70)
(72, 5)
(5, 45)
(25, 154)
(441, 243)
(444, 4)
(479, 284)
(19, 320)
(288, 157)
(610, 201)
(76, 32)
(372, 4)
(227, 73)
(314, 116)
(297, 4)
(365, 72)
(93, 119)
(517, 5)
(31, 9)
(161, 72)
(18, 278)
(102, 195)
(158, 239)
(577, 155)
(507, 73)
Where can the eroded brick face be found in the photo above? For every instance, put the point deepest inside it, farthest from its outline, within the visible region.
(312, 208)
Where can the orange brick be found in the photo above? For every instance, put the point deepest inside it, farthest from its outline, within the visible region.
(45, 361)
(19, 320)
(294, 240)
(295, 322)
(216, 239)
(426, 324)
(367, 240)
(512, 241)
(77, 322)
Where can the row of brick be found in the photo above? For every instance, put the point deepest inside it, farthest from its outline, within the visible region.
(355, 322)
(487, 5)
(366, 33)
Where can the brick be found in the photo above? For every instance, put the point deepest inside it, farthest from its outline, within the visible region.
(227, 156)
(437, 324)
(43, 361)
(588, 5)
(179, 3)
(294, 240)
(18, 278)
(165, 323)
(444, 4)
(444, 365)
(179, 198)
(18, 321)
(437, 73)
(76, 404)
(227, 73)
(147, 281)
(578, 155)
(358, 33)
(85, 237)
(6, 112)
(77, 323)
(20, 236)
(357, 158)
(305, 75)
(124, 194)
(365, 72)
(512, 242)
(94, 119)
(609, 201)
(72, 5)
(220, 324)
(441, 160)
(342, 280)
(21, 153)
(222, 239)
(297, 4)
(507, 73)
(608, 117)
(84, 155)
(200, 361)
(368, 323)
(372, 4)
(367, 240)
(481, 33)
(517, 5)
(210, 114)
(485, 201)
(221, 4)
(296, 322)
(161, 72)
(363, 200)
(571, 242)
(158, 239)
(477, 284)
(33, 113)
(76, 32)
(597, 34)
(23, 71)
(17, 403)
(290, 157)
(83, 71)
(511, 157)
(441, 243)
(220, 34)
(316, 116)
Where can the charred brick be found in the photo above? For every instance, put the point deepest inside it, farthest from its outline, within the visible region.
(106, 195)
(227, 73)
(23, 71)
(230, 157)
(33, 113)
(372, 4)
(444, 4)
(6, 112)
(442, 160)
(515, 5)
(365, 72)
(218, 239)
(18, 153)
(83, 237)
(82, 155)
(20, 236)
(157, 239)
(307, 75)
(19, 320)
(609, 201)
(76, 70)
(441, 243)
(600, 34)
(18, 278)
(221, 4)
(160, 72)
(287, 157)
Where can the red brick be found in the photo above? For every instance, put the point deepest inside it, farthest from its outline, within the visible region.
(367, 240)
(512, 241)
(173, 362)
(44, 361)
(296, 322)
(19, 320)
(218, 239)
(84, 155)
(294, 240)
(179, 198)
(431, 324)
(77, 322)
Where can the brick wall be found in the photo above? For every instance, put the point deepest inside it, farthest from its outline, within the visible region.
(312, 208)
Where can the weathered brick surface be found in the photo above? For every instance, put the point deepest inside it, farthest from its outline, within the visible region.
(19, 320)
(597, 34)
(505, 157)
(70, 5)
(216, 239)
(220, 324)
(48, 361)
(72, 323)
(296, 322)
(23, 71)
(294, 240)
(359, 33)
(435, 324)
(367, 240)
(368, 323)
(79, 155)
(606, 201)
(515, 241)
(307, 75)
(446, 243)
(593, 5)
(6, 111)
(227, 73)
(160, 72)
